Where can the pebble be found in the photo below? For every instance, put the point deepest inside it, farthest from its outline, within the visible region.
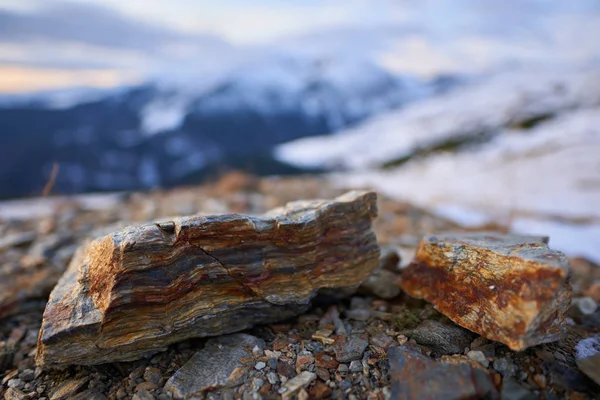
(478, 356)
(212, 366)
(14, 394)
(146, 386)
(294, 385)
(584, 306)
(443, 338)
(349, 348)
(272, 378)
(16, 383)
(27, 375)
(505, 366)
(152, 374)
(511, 390)
(355, 366)
(415, 376)
(143, 395)
(260, 365)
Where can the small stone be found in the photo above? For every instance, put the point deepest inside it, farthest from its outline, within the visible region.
(343, 369)
(509, 288)
(146, 386)
(27, 375)
(355, 366)
(16, 383)
(294, 385)
(152, 374)
(345, 384)
(349, 348)
(260, 365)
(319, 391)
(272, 378)
(415, 376)
(257, 351)
(401, 340)
(90, 394)
(212, 366)
(382, 283)
(68, 389)
(143, 395)
(587, 356)
(272, 363)
(323, 374)
(585, 305)
(322, 335)
(237, 377)
(443, 338)
(511, 390)
(324, 360)
(359, 314)
(505, 366)
(381, 340)
(478, 356)
(257, 383)
(14, 394)
(303, 360)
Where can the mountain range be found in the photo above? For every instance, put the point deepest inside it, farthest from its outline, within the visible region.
(160, 134)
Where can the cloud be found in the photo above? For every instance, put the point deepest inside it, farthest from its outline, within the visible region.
(95, 25)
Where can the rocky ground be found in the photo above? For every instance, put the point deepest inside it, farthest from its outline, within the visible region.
(377, 344)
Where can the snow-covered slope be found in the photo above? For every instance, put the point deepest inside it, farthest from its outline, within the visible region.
(529, 156)
(467, 112)
(542, 181)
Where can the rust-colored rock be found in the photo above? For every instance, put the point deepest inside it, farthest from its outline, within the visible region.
(508, 288)
(138, 290)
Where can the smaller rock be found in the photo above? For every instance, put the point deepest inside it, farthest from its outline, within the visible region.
(443, 338)
(237, 377)
(27, 375)
(355, 366)
(272, 378)
(381, 340)
(511, 390)
(584, 306)
(359, 314)
(345, 384)
(324, 360)
(14, 394)
(478, 356)
(303, 360)
(343, 369)
(143, 395)
(152, 374)
(505, 366)
(294, 385)
(509, 288)
(587, 356)
(212, 366)
(319, 391)
(260, 365)
(415, 376)
(323, 336)
(16, 383)
(257, 383)
(349, 348)
(68, 389)
(146, 386)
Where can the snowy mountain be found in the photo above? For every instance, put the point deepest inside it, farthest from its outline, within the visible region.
(163, 134)
(519, 149)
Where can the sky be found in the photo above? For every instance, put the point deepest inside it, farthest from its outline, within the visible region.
(54, 44)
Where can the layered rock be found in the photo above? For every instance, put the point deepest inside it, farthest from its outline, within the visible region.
(135, 291)
(508, 288)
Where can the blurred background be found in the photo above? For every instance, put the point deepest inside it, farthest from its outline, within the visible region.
(478, 111)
